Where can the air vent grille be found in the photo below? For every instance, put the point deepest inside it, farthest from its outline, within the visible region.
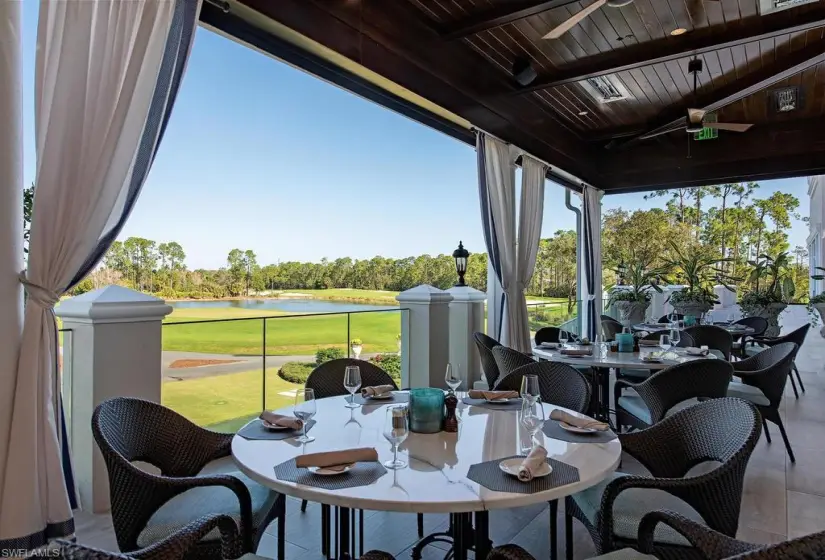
(770, 6)
(785, 100)
(605, 89)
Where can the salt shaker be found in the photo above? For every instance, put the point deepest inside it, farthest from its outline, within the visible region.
(451, 420)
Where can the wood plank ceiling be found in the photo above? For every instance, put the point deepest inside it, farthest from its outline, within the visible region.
(460, 54)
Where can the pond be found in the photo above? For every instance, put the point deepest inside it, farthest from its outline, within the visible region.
(297, 305)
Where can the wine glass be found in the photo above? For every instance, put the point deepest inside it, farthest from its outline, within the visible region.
(352, 382)
(395, 430)
(305, 409)
(530, 388)
(709, 318)
(675, 337)
(563, 338)
(665, 342)
(731, 319)
(453, 377)
(532, 419)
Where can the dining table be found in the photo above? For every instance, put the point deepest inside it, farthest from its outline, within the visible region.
(733, 328)
(442, 472)
(601, 364)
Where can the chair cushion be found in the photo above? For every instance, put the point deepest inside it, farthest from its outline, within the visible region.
(752, 350)
(748, 392)
(197, 502)
(634, 404)
(642, 373)
(624, 554)
(631, 506)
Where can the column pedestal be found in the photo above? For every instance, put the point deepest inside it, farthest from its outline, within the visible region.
(466, 318)
(425, 337)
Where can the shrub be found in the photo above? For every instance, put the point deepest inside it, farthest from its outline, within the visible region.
(296, 372)
(323, 355)
(391, 363)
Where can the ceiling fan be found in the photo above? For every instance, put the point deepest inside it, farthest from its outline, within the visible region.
(695, 118)
(566, 26)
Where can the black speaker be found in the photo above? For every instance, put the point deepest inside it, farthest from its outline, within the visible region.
(523, 71)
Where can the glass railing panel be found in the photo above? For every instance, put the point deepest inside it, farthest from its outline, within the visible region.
(379, 333)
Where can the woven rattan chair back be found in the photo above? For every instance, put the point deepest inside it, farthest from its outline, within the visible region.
(509, 359)
(485, 345)
(685, 340)
(551, 334)
(715, 338)
(327, 380)
(559, 384)
(758, 324)
(610, 329)
(775, 363)
(667, 318)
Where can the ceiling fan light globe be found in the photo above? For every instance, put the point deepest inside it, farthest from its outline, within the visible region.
(618, 3)
(693, 128)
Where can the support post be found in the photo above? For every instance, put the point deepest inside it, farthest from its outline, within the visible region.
(11, 211)
(466, 318)
(116, 352)
(425, 336)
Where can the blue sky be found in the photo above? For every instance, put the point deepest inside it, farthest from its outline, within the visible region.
(261, 156)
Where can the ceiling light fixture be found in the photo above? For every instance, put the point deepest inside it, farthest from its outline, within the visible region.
(582, 113)
(678, 31)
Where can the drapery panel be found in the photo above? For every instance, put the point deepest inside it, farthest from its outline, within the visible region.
(591, 261)
(106, 77)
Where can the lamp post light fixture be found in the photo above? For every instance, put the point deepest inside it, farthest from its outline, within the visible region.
(460, 255)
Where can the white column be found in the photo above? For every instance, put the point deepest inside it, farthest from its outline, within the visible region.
(425, 337)
(466, 318)
(116, 352)
(11, 209)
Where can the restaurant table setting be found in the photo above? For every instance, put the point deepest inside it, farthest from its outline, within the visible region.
(333, 470)
(521, 474)
(576, 429)
(496, 400)
(381, 395)
(274, 426)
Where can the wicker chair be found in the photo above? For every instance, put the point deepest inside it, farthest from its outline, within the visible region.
(327, 380)
(797, 337)
(713, 545)
(551, 334)
(759, 326)
(685, 341)
(508, 360)
(715, 338)
(610, 329)
(559, 385)
(147, 508)
(515, 552)
(723, 430)
(666, 318)
(763, 383)
(485, 345)
(671, 390)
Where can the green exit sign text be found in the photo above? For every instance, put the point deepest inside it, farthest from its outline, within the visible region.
(706, 134)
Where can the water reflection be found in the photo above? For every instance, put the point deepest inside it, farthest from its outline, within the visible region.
(288, 305)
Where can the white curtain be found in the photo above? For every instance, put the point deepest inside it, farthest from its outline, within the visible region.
(530, 216)
(591, 261)
(106, 76)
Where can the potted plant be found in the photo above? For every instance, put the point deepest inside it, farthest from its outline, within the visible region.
(699, 270)
(769, 301)
(817, 303)
(632, 301)
(355, 345)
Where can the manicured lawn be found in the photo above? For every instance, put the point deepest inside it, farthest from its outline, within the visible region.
(284, 336)
(224, 403)
(344, 294)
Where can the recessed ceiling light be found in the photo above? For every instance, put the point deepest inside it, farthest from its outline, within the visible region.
(582, 113)
(678, 31)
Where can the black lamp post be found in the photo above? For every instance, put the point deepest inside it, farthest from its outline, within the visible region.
(460, 255)
(622, 269)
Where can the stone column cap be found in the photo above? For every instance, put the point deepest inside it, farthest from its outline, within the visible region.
(113, 304)
(424, 294)
(466, 294)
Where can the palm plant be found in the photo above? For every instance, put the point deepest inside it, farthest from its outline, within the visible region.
(642, 279)
(776, 270)
(700, 269)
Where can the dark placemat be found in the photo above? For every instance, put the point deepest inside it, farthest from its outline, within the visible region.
(363, 474)
(489, 475)
(397, 398)
(552, 429)
(255, 430)
(514, 404)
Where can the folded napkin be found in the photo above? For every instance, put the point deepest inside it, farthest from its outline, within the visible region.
(492, 395)
(562, 416)
(532, 463)
(693, 351)
(282, 420)
(333, 459)
(576, 352)
(549, 345)
(377, 390)
(643, 342)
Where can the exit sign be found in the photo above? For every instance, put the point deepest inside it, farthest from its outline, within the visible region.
(707, 133)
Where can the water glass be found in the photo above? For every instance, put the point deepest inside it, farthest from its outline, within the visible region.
(709, 318)
(352, 382)
(563, 337)
(305, 409)
(530, 388)
(665, 342)
(532, 419)
(396, 431)
(675, 337)
(453, 377)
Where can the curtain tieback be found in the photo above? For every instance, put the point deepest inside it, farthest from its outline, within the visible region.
(39, 295)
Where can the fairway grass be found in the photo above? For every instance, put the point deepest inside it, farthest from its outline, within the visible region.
(224, 403)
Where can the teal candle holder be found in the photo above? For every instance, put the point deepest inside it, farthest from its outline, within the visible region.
(426, 410)
(625, 341)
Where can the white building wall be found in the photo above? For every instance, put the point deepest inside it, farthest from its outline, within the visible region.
(816, 212)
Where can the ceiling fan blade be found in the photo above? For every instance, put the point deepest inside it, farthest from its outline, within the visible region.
(656, 133)
(733, 127)
(570, 23)
(696, 115)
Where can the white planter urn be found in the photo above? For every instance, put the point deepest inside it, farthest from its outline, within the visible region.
(770, 312)
(693, 308)
(356, 350)
(820, 307)
(631, 312)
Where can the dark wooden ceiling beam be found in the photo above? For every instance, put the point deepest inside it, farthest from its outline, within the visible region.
(672, 48)
(497, 16)
(712, 100)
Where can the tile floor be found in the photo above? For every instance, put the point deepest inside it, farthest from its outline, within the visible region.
(781, 500)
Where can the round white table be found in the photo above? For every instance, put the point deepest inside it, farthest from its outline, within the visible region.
(435, 480)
